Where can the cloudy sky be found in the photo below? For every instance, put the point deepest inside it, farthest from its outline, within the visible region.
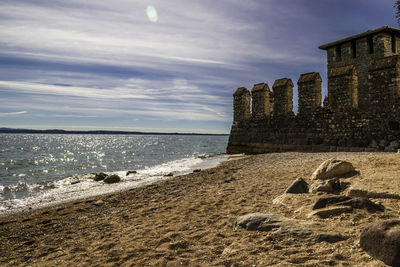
(160, 65)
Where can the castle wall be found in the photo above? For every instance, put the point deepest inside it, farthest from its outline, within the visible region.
(343, 88)
(261, 101)
(241, 105)
(359, 53)
(283, 97)
(309, 91)
(339, 126)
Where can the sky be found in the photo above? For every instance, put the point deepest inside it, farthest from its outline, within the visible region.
(165, 66)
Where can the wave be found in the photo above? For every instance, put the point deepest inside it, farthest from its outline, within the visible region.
(23, 196)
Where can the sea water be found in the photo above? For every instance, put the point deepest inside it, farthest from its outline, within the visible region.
(38, 170)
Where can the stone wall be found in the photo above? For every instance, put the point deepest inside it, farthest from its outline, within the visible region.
(360, 52)
(309, 90)
(241, 105)
(262, 102)
(339, 126)
(343, 88)
(283, 97)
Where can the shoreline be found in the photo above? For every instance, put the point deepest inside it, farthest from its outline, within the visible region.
(190, 219)
(124, 185)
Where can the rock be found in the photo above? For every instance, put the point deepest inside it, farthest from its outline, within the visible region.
(357, 192)
(381, 240)
(75, 182)
(363, 203)
(130, 172)
(356, 203)
(299, 186)
(329, 238)
(196, 170)
(330, 211)
(111, 179)
(324, 202)
(332, 168)
(259, 221)
(100, 176)
(280, 226)
(331, 185)
(169, 174)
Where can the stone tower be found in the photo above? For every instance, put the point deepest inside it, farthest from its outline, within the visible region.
(358, 50)
(241, 105)
(309, 88)
(283, 97)
(261, 101)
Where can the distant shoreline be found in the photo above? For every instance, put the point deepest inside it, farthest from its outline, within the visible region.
(58, 131)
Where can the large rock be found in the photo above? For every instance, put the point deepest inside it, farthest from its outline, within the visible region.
(324, 202)
(332, 168)
(330, 211)
(299, 186)
(356, 203)
(358, 192)
(381, 240)
(280, 225)
(100, 176)
(330, 186)
(363, 203)
(111, 179)
(259, 221)
(130, 172)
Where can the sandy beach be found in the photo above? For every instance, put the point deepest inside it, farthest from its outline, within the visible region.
(189, 220)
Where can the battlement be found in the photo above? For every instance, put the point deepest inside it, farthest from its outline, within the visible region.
(309, 91)
(361, 111)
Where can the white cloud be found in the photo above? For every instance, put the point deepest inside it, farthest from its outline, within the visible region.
(13, 113)
(37, 88)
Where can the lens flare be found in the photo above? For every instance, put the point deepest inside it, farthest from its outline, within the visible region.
(152, 14)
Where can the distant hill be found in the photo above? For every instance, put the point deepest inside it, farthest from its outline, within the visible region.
(58, 131)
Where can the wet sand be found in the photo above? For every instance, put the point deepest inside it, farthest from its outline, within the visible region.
(189, 220)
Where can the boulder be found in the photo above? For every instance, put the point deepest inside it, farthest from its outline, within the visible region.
(299, 186)
(130, 172)
(324, 202)
(331, 185)
(259, 221)
(358, 192)
(363, 203)
(111, 179)
(278, 225)
(330, 211)
(381, 240)
(100, 176)
(356, 203)
(332, 168)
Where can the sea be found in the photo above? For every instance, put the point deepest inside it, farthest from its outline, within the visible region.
(38, 170)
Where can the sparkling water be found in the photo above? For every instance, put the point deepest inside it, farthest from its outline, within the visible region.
(43, 169)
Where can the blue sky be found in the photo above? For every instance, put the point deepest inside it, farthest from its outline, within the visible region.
(169, 66)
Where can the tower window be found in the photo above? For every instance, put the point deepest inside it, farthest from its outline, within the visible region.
(354, 49)
(394, 43)
(339, 53)
(370, 44)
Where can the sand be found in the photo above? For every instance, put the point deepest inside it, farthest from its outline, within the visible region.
(189, 220)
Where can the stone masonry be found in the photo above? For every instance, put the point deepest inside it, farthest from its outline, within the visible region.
(309, 88)
(360, 113)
